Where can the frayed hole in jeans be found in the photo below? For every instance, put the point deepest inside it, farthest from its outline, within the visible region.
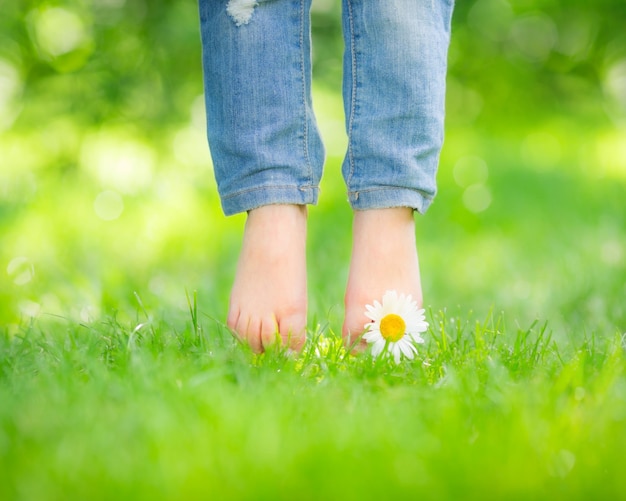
(241, 10)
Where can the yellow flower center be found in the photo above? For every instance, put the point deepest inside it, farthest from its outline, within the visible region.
(392, 327)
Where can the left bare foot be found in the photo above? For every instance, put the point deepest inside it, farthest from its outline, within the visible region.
(268, 297)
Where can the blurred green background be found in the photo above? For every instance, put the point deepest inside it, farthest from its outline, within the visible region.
(107, 193)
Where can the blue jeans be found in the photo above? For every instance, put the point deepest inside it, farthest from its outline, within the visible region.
(264, 140)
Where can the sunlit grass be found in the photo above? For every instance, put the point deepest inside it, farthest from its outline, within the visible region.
(151, 410)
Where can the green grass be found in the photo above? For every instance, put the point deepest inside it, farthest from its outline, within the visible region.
(148, 410)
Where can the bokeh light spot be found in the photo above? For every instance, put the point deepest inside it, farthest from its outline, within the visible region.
(612, 252)
(575, 36)
(491, 18)
(463, 105)
(29, 308)
(611, 154)
(89, 313)
(534, 36)
(615, 83)
(118, 161)
(10, 89)
(59, 31)
(20, 270)
(108, 205)
(470, 170)
(477, 198)
(198, 114)
(190, 147)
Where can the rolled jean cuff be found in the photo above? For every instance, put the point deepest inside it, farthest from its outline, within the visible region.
(253, 198)
(386, 198)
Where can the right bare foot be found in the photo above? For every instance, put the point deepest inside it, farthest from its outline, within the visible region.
(384, 258)
(268, 297)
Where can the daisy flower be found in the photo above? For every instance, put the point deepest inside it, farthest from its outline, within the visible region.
(395, 327)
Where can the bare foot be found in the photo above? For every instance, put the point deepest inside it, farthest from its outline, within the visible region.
(269, 292)
(384, 257)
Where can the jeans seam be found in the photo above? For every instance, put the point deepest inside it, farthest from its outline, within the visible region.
(392, 188)
(304, 187)
(353, 84)
(304, 106)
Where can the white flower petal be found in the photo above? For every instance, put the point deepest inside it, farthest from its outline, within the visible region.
(417, 321)
(414, 329)
(408, 314)
(408, 349)
(370, 326)
(397, 355)
(372, 335)
(378, 347)
(406, 302)
(416, 338)
(372, 316)
(369, 308)
(374, 312)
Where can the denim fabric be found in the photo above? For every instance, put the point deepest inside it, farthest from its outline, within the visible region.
(264, 140)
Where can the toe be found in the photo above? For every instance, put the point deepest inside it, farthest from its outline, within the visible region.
(267, 332)
(232, 322)
(292, 331)
(253, 336)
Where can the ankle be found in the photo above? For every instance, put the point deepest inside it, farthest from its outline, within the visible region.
(276, 229)
(395, 216)
(277, 213)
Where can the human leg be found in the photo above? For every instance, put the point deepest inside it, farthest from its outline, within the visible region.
(264, 141)
(267, 154)
(394, 91)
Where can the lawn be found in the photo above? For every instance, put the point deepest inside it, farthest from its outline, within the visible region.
(149, 410)
(118, 379)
